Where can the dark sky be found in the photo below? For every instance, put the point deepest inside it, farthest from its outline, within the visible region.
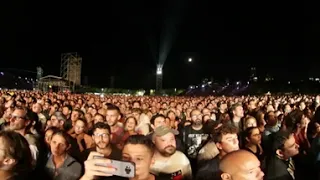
(120, 39)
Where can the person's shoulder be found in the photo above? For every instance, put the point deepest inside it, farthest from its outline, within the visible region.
(179, 155)
(188, 127)
(31, 138)
(212, 163)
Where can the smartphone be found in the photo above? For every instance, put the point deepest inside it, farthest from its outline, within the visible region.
(123, 168)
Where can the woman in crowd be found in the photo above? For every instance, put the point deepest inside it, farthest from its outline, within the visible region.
(84, 140)
(252, 136)
(61, 165)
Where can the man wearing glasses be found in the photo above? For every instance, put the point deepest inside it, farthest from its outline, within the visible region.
(21, 121)
(101, 137)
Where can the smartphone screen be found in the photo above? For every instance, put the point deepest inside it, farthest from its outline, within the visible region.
(123, 168)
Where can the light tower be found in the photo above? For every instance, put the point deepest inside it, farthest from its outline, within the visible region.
(159, 77)
(39, 73)
(71, 68)
(39, 76)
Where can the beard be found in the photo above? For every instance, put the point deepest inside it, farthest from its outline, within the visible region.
(168, 151)
(102, 145)
(197, 122)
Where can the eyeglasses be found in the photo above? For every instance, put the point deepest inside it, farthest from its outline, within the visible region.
(103, 135)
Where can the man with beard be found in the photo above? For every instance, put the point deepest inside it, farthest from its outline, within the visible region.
(113, 117)
(194, 137)
(101, 137)
(168, 162)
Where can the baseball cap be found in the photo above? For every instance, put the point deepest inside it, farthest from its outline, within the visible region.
(163, 130)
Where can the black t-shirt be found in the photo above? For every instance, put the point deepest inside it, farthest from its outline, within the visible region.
(193, 140)
(115, 153)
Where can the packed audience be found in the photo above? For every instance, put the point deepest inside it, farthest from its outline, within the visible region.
(65, 136)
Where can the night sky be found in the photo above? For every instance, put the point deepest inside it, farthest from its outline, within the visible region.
(122, 39)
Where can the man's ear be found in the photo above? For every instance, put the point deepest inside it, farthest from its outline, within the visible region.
(9, 161)
(153, 139)
(219, 146)
(247, 139)
(152, 161)
(152, 126)
(225, 176)
(279, 153)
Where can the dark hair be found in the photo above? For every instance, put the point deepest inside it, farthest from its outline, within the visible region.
(83, 120)
(98, 114)
(224, 129)
(155, 117)
(247, 133)
(278, 139)
(2, 110)
(68, 106)
(53, 129)
(141, 140)
(32, 117)
(81, 113)
(130, 117)
(170, 112)
(17, 148)
(136, 110)
(64, 134)
(14, 104)
(114, 108)
(293, 119)
(101, 125)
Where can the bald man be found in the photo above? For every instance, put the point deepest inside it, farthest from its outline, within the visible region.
(240, 165)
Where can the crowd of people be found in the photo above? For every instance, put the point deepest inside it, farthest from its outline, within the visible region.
(65, 136)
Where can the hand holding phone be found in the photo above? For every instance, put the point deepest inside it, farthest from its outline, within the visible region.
(122, 168)
(92, 167)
